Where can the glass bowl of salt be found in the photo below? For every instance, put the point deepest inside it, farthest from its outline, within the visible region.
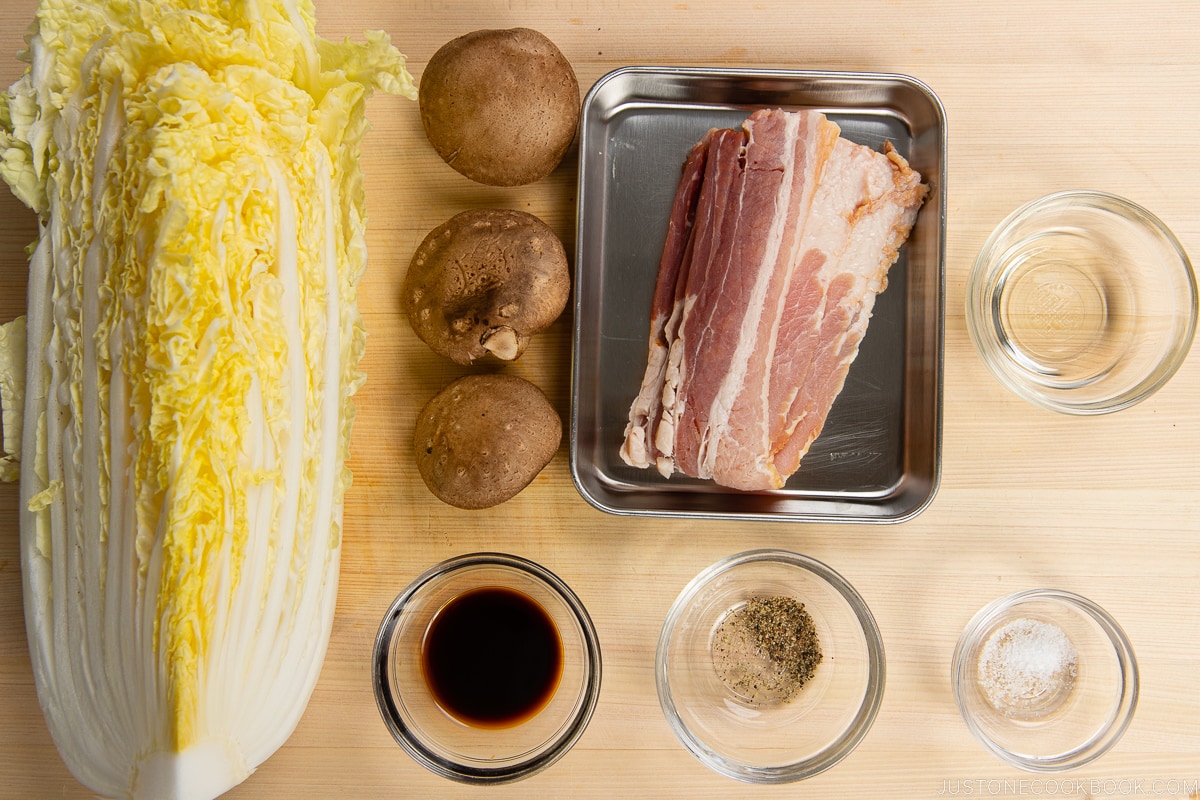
(1045, 679)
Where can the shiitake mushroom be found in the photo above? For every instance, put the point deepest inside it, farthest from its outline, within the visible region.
(500, 106)
(484, 283)
(484, 438)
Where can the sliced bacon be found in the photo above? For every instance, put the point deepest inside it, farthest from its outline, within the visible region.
(638, 448)
(871, 212)
(688, 397)
(781, 236)
(742, 458)
(712, 214)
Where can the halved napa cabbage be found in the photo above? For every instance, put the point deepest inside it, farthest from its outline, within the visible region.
(193, 343)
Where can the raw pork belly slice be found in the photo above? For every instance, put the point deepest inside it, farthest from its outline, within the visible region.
(781, 235)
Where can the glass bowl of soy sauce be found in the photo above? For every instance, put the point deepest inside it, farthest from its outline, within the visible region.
(487, 668)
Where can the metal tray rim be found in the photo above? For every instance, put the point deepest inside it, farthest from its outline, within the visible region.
(881, 77)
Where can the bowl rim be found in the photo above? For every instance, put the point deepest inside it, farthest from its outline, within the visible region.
(1096, 745)
(979, 318)
(834, 751)
(412, 744)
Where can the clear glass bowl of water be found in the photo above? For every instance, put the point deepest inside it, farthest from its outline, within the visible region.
(1082, 302)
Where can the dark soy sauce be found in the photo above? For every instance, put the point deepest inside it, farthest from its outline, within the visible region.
(492, 657)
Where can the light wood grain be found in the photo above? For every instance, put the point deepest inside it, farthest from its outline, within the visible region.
(1039, 96)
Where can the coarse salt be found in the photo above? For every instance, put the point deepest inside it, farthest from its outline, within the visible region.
(1027, 668)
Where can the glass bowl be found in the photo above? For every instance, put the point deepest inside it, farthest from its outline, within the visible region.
(722, 717)
(1082, 302)
(429, 693)
(1045, 679)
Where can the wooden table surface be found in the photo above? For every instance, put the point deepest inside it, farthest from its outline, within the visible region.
(1039, 96)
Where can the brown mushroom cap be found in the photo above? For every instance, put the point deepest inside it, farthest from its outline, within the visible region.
(486, 281)
(484, 438)
(500, 106)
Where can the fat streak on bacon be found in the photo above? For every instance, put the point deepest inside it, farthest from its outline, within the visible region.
(780, 236)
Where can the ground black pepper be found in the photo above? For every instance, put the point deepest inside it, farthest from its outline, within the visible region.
(766, 650)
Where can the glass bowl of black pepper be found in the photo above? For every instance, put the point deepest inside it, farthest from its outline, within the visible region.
(1045, 679)
(486, 668)
(770, 667)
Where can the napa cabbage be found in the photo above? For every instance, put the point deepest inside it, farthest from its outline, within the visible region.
(193, 342)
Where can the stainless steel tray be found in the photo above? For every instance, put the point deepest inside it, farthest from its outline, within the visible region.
(878, 458)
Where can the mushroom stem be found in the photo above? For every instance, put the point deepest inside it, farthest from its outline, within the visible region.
(501, 342)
